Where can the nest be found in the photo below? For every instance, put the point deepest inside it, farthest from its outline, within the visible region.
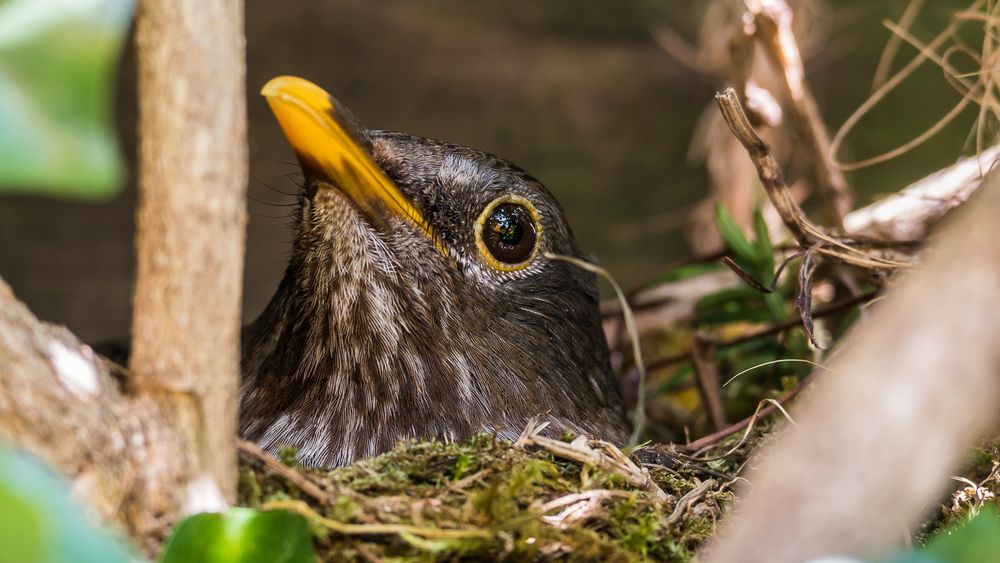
(536, 499)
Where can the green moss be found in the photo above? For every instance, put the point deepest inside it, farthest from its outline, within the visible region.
(497, 490)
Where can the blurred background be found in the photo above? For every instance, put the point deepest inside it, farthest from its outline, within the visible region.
(600, 101)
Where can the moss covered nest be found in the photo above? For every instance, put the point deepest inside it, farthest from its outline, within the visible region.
(539, 499)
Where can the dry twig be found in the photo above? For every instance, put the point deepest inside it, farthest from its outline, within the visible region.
(274, 465)
(707, 373)
(832, 309)
(599, 454)
(807, 234)
(772, 25)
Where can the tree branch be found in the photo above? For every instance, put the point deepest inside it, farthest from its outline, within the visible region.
(191, 222)
(60, 402)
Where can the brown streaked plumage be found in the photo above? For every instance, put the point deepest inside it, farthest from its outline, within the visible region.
(395, 320)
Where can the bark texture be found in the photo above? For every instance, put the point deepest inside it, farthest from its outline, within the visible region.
(191, 222)
(60, 402)
(876, 438)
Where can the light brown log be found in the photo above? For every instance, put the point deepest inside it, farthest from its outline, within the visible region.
(191, 221)
(911, 389)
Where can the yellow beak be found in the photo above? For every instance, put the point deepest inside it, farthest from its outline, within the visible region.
(323, 141)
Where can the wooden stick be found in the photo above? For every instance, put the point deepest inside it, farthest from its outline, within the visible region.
(773, 28)
(191, 222)
(709, 384)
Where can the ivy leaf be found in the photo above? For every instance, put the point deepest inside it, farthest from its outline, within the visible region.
(39, 522)
(57, 63)
(241, 535)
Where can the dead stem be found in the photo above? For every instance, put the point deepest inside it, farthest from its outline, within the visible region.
(807, 234)
(832, 309)
(772, 25)
(300, 507)
(274, 465)
(707, 374)
(599, 454)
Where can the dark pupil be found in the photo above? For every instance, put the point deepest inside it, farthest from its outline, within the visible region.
(510, 233)
(507, 229)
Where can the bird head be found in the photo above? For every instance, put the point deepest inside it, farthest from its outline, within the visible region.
(422, 298)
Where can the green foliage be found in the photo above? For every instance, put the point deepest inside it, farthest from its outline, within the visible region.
(241, 535)
(743, 252)
(57, 61)
(733, 317)
(39, 522)
(974, 541)
(761, 303)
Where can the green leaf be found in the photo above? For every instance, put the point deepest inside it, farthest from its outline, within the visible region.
(725, 297)
(39, 522)
(732, 235)
(689, 271)
(764, 247)
(57, 62)
(972, 542)
(241, 535)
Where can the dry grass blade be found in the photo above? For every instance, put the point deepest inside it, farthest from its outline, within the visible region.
(302, 508)
(772, 362)
(599, 454)
(892, 47)
(761, 411)
(688, 500)
(981, 91)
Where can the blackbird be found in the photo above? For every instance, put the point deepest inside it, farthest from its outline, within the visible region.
(422, 299)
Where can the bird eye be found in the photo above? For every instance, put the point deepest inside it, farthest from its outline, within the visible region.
(507, 233)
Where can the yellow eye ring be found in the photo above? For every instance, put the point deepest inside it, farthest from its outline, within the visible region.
(508, 233)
